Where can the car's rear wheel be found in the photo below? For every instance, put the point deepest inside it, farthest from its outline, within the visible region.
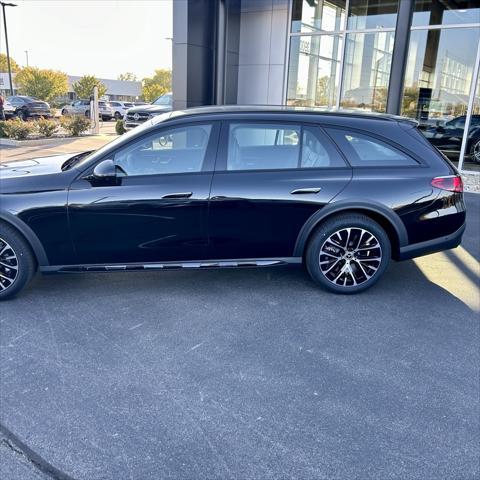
(118, 116)
(87, 113)
(348, 253)
(21, 115)
(17, 263)
(475, 150)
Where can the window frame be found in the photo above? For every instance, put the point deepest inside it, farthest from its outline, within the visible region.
(208, 164)
(420, 162)
(222, 156)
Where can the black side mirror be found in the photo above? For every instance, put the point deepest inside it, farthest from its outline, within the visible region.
(105, 169)
(103, 174)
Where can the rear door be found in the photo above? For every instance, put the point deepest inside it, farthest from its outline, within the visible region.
(270, 178)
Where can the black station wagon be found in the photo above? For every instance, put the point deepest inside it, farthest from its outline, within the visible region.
(340, 193)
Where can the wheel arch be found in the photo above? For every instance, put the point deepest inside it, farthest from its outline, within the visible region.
(385, 217)
(28, 234)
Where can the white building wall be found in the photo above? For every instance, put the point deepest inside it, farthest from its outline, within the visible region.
(262, 55)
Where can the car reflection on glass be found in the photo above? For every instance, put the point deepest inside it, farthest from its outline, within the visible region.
(448, 137)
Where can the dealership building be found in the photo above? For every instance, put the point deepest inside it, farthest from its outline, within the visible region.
(417, 58)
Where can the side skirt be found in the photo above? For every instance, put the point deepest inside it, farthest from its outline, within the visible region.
(200, 264)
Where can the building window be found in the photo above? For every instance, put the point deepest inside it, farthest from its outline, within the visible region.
(440, 12)
(365, 14)
(318, 15)
(314, 70)
(366, 72)
(438, 81)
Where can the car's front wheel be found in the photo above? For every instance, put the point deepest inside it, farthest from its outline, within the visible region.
(118, 116)
(21, 115)
(348, 253)
(17, 263)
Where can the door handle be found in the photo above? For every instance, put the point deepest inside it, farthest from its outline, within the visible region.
(301, 191)
(178, 195)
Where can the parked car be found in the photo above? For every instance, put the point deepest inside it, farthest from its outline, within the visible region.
(29, 107)
(235, 187)
(137, 115)
(8, 109)
(448, 137)
(120, 108)
(82, 107)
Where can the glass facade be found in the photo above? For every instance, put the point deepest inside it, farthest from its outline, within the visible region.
(341, 53)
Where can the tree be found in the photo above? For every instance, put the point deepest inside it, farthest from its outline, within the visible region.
(4, 64)
(157, 85)
(127, 77)
(43, 84)
(84, 87)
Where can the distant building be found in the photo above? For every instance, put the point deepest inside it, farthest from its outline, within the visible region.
(116, 89)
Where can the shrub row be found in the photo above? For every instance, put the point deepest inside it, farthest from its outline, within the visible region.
(20, 130)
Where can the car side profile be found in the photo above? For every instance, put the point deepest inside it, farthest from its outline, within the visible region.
(82, 107)
(29, 107)
(340, 193)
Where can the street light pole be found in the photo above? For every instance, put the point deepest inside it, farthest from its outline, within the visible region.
(26, 54)
(6, 43)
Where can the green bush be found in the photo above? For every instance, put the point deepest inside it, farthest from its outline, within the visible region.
(3, 133)
(18, 129)
(46, 127)
(120, 127)
(75, 125)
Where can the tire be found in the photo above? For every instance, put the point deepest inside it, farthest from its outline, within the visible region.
(351, 269)
(475, 150)
(87, 113)
(64, 112)
(118, 116)
(21, 115)
(14, 252)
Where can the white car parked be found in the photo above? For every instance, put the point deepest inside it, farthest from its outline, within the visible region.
(82, 107)
(120, 108)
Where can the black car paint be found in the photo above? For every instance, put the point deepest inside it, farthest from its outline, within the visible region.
(29, 107)
(240, 215)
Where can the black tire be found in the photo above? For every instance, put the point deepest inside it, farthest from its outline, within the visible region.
(326, 258)
(87, 113)
(118, 116)
(12, 244)
(475, 150)
(64, 112)
(21, 115)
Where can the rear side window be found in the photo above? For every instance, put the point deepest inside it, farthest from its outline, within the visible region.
(276, 146)
(365, 151)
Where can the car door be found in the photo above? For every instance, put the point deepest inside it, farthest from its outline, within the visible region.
(270, 178)
(156, 208)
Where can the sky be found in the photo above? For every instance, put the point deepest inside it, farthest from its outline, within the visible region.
(97, 37)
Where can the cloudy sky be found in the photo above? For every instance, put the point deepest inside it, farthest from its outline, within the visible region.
(99, 37)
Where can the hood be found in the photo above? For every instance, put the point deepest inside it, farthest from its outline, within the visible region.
(150, 109)
(34, 167)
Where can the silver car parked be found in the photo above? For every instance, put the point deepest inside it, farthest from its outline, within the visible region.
(82, 107)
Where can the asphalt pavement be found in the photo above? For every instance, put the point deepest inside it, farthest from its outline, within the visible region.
(245, 374)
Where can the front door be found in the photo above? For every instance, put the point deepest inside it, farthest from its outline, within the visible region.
(157, 209)
(270, 178)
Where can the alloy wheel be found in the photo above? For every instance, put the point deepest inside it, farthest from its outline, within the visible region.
(476, 151)
(8, 265)
(350, 257)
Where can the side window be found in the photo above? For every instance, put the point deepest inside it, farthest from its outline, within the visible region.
(263, 146)
(365, 151)
(174, 150)
(317, 151)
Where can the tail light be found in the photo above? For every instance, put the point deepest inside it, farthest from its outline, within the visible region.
(452, 183)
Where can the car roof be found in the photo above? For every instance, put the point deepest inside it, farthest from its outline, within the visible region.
(286, 109)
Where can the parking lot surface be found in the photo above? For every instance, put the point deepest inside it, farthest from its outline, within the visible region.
(246, 374)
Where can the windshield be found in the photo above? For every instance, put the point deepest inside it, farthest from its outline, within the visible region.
(123, 138)
(163, 100)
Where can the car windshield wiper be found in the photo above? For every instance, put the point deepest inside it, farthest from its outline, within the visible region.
(75, 159)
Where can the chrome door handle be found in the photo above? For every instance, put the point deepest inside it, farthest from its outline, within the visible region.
(300, 191)
(178, 195)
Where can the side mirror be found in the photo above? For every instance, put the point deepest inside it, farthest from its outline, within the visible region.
(105, 169)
